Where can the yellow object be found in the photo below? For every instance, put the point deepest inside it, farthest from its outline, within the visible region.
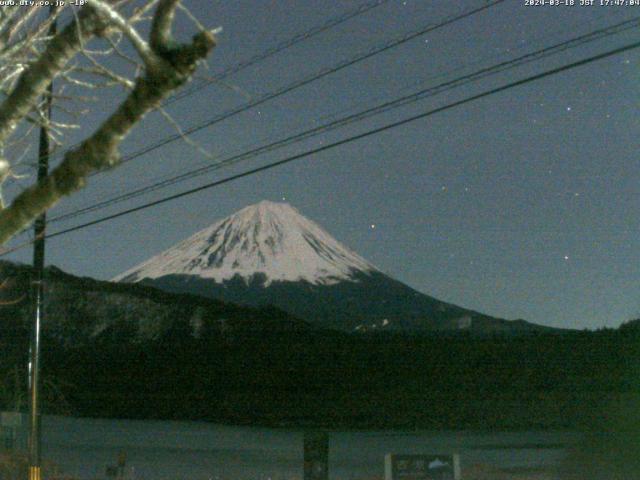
(34, 473)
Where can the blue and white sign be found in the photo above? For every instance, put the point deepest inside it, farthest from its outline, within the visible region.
(421, 467)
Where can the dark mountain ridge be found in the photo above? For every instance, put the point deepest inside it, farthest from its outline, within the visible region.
(371, 301)
(79, 309)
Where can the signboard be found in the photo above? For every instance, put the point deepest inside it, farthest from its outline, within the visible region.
(421, 467)
(316, 456)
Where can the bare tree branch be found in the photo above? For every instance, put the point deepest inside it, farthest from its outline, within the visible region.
(161, 38)
(35, 79)
(175, 64)
(112, 16)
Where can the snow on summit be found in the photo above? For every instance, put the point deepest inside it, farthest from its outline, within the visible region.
(270, 238)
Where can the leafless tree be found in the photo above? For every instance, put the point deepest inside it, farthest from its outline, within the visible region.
(32, 56)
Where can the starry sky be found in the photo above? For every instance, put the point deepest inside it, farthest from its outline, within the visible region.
(522, 204)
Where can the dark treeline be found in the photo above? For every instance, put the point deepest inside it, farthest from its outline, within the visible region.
(205, 360)
(547, 381)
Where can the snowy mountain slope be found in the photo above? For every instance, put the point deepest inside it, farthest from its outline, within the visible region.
(268, 239)
(269, 254)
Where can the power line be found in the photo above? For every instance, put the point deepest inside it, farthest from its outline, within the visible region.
(461, 68)
(269, 52)
(323, 73)
(280, 47)
(312, 78)
(385, 106)
(354, 138)
(174, 179)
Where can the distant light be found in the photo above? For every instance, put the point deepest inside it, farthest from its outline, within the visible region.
(566, 257)
(568, 109)
(373, 225)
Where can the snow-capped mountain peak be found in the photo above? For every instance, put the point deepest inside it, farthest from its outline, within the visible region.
(268, 238)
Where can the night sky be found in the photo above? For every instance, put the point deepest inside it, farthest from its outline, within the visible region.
(523, 204)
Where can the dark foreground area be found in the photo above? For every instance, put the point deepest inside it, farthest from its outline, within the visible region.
(341, 381)
(126, 351)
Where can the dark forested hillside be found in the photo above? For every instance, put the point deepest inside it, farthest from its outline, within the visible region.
(130, 351)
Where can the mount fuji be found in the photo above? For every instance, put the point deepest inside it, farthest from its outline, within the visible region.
(268, 253)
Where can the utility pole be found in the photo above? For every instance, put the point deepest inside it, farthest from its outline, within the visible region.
(37, 287)
(316, 455)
